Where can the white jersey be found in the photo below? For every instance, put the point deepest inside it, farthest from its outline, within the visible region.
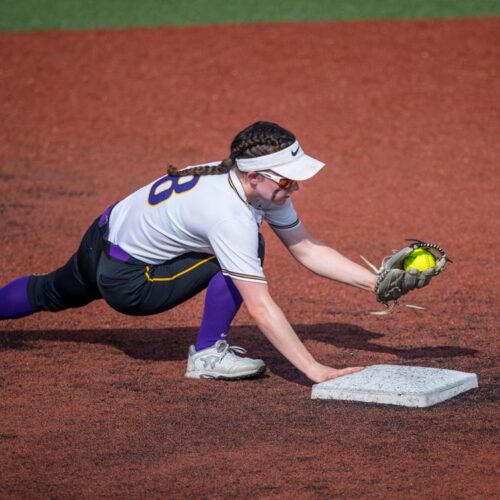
(208, 214)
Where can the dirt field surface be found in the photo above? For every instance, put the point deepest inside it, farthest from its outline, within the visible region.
(406, 114)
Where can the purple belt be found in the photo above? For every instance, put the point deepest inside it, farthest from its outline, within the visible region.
(118, 254)
(114, 250)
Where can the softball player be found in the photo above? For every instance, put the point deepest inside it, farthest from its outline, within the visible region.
(198, 228)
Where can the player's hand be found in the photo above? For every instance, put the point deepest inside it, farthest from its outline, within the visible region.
(322, 373)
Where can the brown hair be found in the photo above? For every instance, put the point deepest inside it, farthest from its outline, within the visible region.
(259, 139)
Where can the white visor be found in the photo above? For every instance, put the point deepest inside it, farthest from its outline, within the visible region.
(290, 162)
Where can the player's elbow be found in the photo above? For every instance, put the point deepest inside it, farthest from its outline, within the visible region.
(257, 299)
(307, 251)
(258, 308)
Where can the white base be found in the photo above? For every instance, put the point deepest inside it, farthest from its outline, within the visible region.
(412, 386)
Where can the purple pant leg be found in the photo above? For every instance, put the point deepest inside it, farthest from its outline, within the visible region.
(221, 305)
(14, 302)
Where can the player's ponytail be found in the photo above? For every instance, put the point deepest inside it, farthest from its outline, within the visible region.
(259, 139)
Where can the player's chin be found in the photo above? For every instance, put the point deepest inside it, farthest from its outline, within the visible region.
(281, 201)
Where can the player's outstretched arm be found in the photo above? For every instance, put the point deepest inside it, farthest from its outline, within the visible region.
(274, 325)
(325, 261)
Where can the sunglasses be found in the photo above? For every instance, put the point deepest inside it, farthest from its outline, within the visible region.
(282, 182)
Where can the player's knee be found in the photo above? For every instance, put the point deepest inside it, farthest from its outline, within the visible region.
(48, 293)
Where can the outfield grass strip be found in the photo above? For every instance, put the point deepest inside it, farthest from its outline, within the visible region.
(33, 15)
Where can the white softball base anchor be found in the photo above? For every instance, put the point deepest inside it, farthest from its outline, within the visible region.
(412, 386)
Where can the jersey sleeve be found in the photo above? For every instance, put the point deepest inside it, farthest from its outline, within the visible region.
(235, 243)
(282, 218)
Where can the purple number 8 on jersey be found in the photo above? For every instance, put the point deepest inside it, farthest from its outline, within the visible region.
(175, 187)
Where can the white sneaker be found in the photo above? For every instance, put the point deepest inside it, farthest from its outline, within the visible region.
(221, 362)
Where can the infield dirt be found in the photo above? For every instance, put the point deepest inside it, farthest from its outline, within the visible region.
(406, 116)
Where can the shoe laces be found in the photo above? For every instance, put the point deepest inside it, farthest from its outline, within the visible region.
(224, 349)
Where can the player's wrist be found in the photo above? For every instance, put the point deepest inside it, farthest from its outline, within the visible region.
(316, 372)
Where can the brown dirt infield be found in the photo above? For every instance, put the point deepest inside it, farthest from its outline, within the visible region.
(406, 114)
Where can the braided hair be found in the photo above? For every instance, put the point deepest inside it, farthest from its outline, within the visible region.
(259, 139)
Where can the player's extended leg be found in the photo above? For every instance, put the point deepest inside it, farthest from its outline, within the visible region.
(72, 285)
(14, 301)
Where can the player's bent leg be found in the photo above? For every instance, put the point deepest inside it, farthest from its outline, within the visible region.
(221, 361)
(135, 288)
(138, 289)
(222, 302)
(211, 356)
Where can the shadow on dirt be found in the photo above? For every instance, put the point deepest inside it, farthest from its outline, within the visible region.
(348, 336)
(172, 343)
(153, 345)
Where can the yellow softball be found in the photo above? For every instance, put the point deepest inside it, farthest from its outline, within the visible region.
(420, 259)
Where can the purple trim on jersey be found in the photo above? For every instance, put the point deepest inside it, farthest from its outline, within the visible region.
(104, 218)
(14, 301)
(114, 250)
(221, 305)
(117, 253)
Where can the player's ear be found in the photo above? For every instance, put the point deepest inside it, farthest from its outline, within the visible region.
(253, 178)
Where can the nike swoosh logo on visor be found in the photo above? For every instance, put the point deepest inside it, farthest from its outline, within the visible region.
(294, 153)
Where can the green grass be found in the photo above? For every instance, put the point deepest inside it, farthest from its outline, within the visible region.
(29, 15)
